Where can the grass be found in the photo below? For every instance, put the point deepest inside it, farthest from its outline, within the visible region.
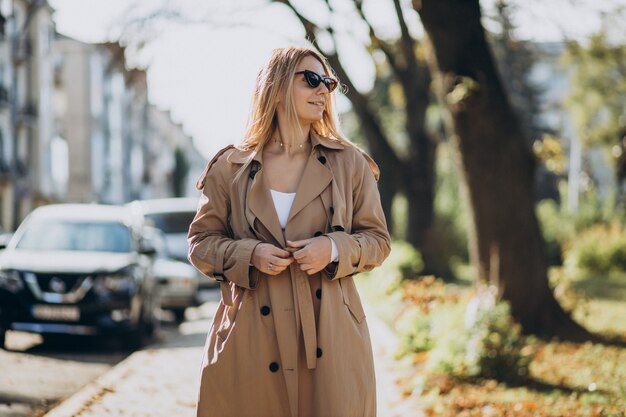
(565, 379)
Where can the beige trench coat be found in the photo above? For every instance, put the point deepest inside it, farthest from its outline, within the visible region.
(290, 344)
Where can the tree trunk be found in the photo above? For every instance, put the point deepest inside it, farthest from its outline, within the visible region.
(506, 244)
(419, 172)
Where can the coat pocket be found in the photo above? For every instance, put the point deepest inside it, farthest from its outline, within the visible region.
(352, 299)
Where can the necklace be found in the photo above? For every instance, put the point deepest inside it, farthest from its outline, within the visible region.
(299, 146)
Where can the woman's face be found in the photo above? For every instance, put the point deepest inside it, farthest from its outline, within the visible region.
(310, 102)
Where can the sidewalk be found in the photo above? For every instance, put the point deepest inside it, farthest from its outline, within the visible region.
(162, 381)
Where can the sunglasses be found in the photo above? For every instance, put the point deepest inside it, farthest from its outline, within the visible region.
(314, 79)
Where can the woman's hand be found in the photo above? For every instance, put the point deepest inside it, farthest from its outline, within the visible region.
(314, 254)
(269, 259)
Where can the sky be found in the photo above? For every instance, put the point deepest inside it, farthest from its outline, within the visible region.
(204, 72)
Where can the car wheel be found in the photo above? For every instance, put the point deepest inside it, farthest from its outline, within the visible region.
(179, 314)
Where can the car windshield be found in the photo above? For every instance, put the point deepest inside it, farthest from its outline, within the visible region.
(76, 236)
(177, 222)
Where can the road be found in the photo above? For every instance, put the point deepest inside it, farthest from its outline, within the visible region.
(35, 374)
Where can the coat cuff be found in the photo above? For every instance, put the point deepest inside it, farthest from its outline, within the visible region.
(345, 246)
(241, 273)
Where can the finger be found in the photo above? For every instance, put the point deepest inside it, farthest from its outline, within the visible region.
(306, 267)
(280, 269)
(281, 261)
(281, 253)
(298, 243)
(300, 255)
(274, 270)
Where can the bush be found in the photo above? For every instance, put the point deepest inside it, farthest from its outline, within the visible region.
(413, 328)
(467, 338)
(561, 228)
(495, 348)
(479, 340)
(600, 249)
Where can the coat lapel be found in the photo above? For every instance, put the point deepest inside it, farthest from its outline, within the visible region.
(315, 179)
(316, 175)
(260, 202)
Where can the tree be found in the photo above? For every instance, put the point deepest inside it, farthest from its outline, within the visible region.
(506, 244)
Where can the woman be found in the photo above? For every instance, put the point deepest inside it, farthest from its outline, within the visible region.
(285, 220)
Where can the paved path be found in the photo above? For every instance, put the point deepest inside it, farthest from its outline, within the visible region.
(162, 381)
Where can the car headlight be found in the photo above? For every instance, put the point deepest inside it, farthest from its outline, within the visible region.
(11, 280)
(122, 282)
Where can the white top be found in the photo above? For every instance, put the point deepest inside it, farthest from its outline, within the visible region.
(283, 203)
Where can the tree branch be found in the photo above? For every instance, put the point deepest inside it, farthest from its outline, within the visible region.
(407, 44)
(385, 47)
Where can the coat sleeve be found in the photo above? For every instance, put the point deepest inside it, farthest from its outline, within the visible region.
(212, 249)
(369, 243)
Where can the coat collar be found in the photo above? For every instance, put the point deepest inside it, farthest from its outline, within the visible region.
(239, 156)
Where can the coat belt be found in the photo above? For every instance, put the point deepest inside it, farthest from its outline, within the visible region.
(307, 315)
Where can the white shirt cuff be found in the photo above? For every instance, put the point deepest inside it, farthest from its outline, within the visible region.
(334, 256)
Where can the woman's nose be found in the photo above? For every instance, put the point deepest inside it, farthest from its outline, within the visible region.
(321, 89)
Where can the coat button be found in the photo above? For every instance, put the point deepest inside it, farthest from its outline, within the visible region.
(322, 159)
(274, 366)
(318, 293)
(318, 233)
(265, 310)
(332, 210)
(252, 173)
(319, 353)
(338, 228)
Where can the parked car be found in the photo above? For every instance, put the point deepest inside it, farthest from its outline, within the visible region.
(173, 216)
(79, 269)
(178, 280)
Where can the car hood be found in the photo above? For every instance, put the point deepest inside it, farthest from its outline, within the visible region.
(65, 261)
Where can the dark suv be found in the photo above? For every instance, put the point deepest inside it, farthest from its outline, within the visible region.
(79, 269)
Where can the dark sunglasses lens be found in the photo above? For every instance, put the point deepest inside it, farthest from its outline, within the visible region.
(330, 84)
(312, 78)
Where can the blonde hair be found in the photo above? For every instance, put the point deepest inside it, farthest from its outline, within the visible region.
(274, 80)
